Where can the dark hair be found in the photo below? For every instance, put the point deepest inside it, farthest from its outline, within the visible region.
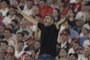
(25, 32)
(15, 21)
(58, 13)
(21, 33)
(50, 16)
(74, 54)
(4, 42)
(9, 30)
(39, 15)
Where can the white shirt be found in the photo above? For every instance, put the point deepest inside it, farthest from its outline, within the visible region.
(71, 50)
(72, 1)
(86, 43)
(27, 11)
(4, 11)
(80, 15)
(82, 57)
(7, 20)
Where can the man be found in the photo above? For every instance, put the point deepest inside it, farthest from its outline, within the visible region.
(28, 7)
(4, 45)
(44, 8)
(49, 33)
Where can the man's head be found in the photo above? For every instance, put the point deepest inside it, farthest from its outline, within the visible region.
(37, 45)
(41, 3)
(29, 4)
(20, 36)
(48, 20)
(31, 41)
(3, 45)
(8, 33)
(64, 35)
(75, 46)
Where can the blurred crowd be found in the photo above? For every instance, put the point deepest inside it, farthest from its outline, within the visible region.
(20, 39)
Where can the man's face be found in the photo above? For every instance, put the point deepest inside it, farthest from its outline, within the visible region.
(64, 37)
(31, 42)
(41, 4)
(19, 37)
(48, 20)
(37, 45)
(4, 46)
(63, 53)
(7, 33)
(29, 4)
(12, 11)
(75, 46)
(27, 57)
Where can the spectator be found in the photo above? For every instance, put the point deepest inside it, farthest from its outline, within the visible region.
(75, 48)
(35, 10)
(64, 35)
(48, 25)
(15, 24)
(9, 37)
(74, 56)
(19, 36)
(37, 32)
(10, 53)
(4, 45)
(62, 55)
(30, 42)
(2, 29)
(27, 56)
(11, 15)
(87, 42)
(84, 55)
(56, 15)
(83, 35)
(4, 8)
(20, 49)
(44, 9)
(28, 7)
(71, 18)
(22, 4)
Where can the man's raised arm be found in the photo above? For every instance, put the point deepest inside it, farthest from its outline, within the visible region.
(61, 21)
(29, 18)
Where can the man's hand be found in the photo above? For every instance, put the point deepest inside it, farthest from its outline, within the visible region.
(18, 10)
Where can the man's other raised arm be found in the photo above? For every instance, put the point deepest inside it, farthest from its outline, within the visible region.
(29, 18)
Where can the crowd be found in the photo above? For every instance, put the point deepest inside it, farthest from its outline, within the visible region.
(65, 35)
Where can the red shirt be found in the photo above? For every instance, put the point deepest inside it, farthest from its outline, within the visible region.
(76, 6)
(64, 11)
(46, 10)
